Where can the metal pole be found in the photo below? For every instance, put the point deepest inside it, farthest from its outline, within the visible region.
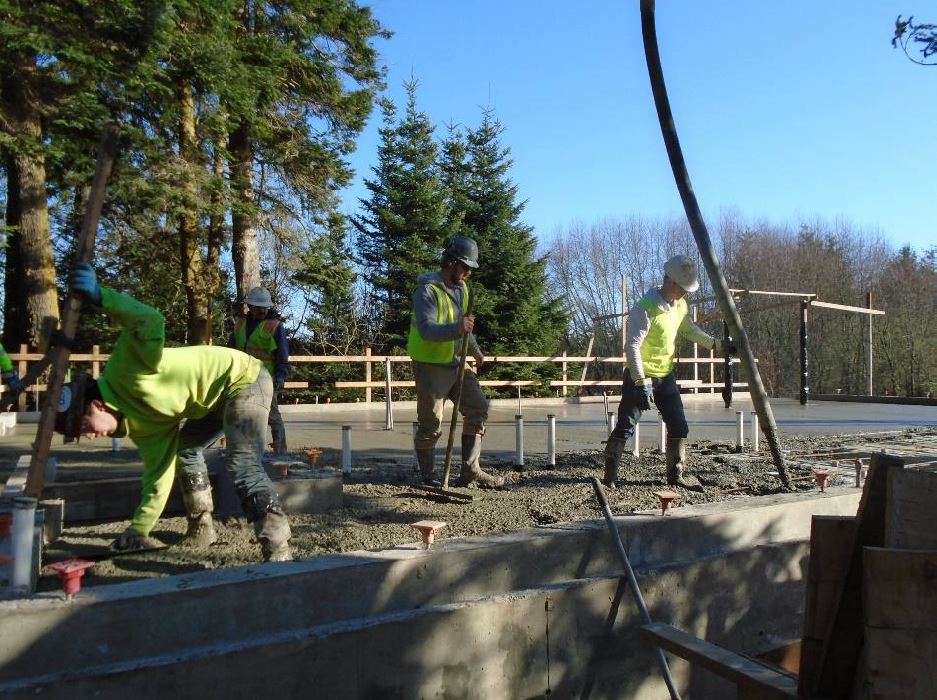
(551, 440)
(633, 584)
(740, 430)
(804, 372)
(611, 421)
(519, 440)
(346, 449)
(636, 447)
(21, 538)
(755, 436)
(727, 363)
(663, 433)
(388, 400)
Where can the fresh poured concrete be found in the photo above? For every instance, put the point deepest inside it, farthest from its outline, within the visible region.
(519, 615)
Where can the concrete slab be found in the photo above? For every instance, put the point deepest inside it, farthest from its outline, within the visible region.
(180, 619)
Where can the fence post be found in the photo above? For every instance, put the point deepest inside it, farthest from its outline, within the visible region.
(95, 364)
(565, 374)
(551, 440)
(21, 399)
(367, 375)
(389, 425)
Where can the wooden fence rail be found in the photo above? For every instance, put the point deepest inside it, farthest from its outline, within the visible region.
(97, 359)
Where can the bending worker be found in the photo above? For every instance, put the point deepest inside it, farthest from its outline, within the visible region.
(261, 334)
(440, 319)
(173, 402)
(654, 323)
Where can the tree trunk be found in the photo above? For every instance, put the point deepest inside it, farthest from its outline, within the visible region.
(243, 229)
(31, 300)
(194, 272)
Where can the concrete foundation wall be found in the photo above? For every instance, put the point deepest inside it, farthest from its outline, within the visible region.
(513, 616)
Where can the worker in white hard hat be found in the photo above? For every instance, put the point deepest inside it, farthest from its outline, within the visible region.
(261, 334)
(654, 323)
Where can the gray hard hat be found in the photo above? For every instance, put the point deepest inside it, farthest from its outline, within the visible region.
(682, 270)
(259, 296)
(463, 249)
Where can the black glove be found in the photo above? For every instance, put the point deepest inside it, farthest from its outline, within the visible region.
(728, 348)
(644, 396)
(84, 283)
(12, 380)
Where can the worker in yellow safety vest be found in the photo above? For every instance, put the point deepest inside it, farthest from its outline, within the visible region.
(654, 324)
(174, 402)
(439, 321)
(261, 334)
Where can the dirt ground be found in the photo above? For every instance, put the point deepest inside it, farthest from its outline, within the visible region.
(379, 507)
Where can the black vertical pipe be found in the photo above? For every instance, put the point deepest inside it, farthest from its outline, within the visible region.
(727, 364)
(804, 372)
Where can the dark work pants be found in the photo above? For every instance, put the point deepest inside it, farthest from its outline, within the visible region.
(667, 398)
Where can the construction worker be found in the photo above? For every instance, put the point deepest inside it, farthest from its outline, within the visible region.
(173, 402)
(10, 376)
(261, 334)
(654, 323)
(438, 323)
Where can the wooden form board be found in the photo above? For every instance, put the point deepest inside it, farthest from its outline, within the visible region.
(911, 516)
(755, 680)
(900, 623)
(831, 537)
(842, 644)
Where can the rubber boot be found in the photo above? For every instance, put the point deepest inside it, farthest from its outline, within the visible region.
(426, 459)
(471, 473)
(676, 458)
(201, 528)
(614, 448)
(273, 532)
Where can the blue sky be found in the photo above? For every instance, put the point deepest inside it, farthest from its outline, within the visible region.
(787, 110)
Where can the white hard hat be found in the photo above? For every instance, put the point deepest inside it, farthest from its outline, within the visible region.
(259, 296)
(682, 270)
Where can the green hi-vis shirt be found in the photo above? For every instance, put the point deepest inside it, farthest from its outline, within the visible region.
(156, 388)
(6, 364)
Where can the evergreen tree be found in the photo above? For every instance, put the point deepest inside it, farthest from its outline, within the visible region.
(515, 314)
(405, 220)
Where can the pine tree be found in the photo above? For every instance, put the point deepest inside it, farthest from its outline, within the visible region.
(514, 312)
(404, 221)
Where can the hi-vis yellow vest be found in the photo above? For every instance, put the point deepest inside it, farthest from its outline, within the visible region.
(660, 344)
(262, 344)
(436, 352)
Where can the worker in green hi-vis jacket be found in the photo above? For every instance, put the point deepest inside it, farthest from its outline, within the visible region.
(10, 376)
(173, 402)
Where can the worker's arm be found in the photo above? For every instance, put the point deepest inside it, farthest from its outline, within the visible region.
(158, 452)
(639, 323)
(691, 331)
(425, 312)
(144, 327)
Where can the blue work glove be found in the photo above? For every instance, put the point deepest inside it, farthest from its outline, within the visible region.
(278, 384)
(12, 380)
(644, 396)
(728, 348)
(84, 283)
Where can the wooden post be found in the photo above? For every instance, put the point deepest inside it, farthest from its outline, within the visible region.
(565, 373)
(95, 363)
(367, 375)
(21, 369)
(84, 250)
(868, 302)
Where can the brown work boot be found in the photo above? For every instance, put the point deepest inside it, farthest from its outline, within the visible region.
(676, 458)
(201, 528)
(614, 447)
(273, 532)
(472, 474)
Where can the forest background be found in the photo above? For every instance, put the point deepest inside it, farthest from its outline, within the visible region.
(237, 119)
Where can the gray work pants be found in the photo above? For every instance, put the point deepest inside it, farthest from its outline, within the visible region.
(242, 419)
(435, 384)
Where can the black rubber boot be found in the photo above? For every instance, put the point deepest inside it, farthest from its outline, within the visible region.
(614, 448)
(676, 458)
(472, 474)
(426, 459)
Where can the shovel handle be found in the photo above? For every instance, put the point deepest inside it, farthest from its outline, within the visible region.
(447, 465)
